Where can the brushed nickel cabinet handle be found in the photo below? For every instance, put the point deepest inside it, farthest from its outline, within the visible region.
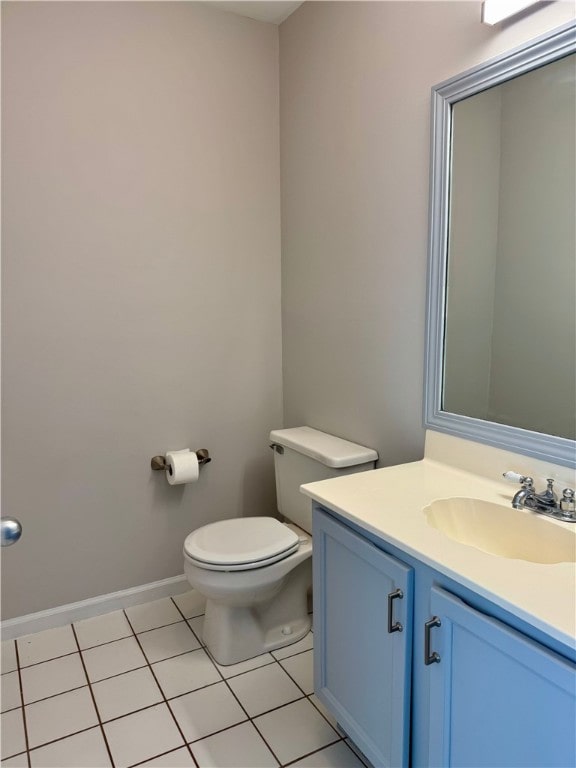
(430, 657)
(394, 626)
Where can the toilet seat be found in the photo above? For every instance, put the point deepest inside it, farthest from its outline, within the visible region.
(240, 544)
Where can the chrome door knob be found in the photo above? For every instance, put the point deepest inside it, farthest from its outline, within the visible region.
(10, 531)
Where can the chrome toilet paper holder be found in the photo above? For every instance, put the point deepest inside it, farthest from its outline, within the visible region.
(158, 463)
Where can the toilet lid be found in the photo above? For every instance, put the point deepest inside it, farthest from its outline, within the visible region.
(243, 541)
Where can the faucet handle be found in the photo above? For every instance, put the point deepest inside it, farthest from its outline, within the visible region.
(549, 492)
(567, 503)
(515, 477)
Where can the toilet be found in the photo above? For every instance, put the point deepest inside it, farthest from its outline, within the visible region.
(255, 572)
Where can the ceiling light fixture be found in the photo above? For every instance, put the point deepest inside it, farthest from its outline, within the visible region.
(494, 11)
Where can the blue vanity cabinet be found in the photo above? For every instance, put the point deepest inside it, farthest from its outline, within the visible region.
(363, 640)
(497, 698)
(496, 692)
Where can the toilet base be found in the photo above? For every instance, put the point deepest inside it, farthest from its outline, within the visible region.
(249, 642)
(233, 634)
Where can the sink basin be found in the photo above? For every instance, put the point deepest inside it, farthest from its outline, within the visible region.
(503, 531)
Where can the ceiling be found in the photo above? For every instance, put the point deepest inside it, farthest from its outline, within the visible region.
(273, 11)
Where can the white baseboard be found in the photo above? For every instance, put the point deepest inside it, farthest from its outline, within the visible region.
(94, 606)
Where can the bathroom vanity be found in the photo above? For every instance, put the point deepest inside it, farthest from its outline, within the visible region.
(434, 652)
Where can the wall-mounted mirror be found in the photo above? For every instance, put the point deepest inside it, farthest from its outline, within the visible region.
(501, 346)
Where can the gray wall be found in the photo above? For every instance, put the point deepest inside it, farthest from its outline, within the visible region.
(355, 82)
(141, 244)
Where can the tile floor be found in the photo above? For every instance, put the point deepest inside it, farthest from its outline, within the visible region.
(136, 687)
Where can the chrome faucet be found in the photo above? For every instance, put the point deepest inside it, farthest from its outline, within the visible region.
(545, 503)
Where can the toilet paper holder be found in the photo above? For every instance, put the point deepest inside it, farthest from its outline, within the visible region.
(159, 462)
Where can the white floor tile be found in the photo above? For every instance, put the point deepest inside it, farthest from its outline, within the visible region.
(186, 673)
(46, 645)
(263, 689)
(305, 644)
(60, 716)
(126, 693)
(13, 740)
(18, 761)
(83, 750)
(141, 736)
(102, 629)
(231, 670)
(152, 615)
(197, 625)
(206, 711)
(52, 677)
(295, 730)
(327, 714)
(8, 659)
(180, 758)
(238, 747)
(190, 603)
(301, 669)
(336, 756)
(113, 658)
(10, 691)
(169, 641)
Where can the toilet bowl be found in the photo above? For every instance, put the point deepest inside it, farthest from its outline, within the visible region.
(256, 572)
(253, 605)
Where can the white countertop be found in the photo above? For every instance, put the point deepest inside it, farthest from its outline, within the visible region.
(389, 502)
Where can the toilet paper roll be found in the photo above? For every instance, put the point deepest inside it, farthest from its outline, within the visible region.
(182, 467)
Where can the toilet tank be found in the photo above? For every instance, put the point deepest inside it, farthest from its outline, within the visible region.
(304, 455)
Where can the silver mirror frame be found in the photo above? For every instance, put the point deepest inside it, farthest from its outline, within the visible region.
(545, 49)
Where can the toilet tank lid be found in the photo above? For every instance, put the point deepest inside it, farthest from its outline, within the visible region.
(327, 449)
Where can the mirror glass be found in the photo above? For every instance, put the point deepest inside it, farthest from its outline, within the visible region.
(510, 336)
(501, 337)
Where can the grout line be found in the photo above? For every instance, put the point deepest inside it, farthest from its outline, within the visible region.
(163, 754)
(250, 719)
(26, 740)
(160, 626)
(308, 754)
(93, 698)
(36, 663)
(219, 731)
(11, 709)
(125, 672)
(239, 674)
(165, 700)
(291, 655)
(309, 697)
(296, 683)
(157, 661)
(62, 738)
(106, 642)
(53, 695)
(155, 757)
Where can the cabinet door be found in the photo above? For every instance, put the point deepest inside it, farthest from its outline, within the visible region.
(361, 669)
(497, 698)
